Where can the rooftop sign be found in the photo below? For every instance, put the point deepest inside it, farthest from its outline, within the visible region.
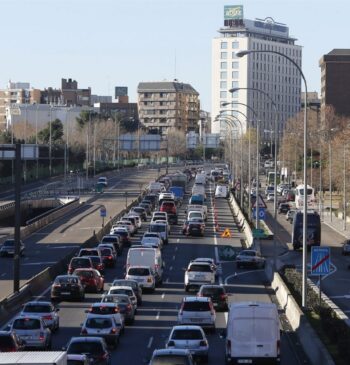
(233, 12)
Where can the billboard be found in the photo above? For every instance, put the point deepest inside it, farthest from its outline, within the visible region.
(233, 12)
(120, 91)
(211, 140)
(192, 140)
(148, 142)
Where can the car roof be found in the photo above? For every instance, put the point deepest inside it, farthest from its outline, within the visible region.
(199, 259)
(199, 263)
(99, 304)
(120, 287)
(196, 299)
(163, 352)
(86, 339)
(102, 316)
(38, 302)
(187, 327)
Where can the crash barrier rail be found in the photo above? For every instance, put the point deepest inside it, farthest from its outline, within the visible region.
(312, 345)
(57, 213)
(7, 205)
(245, 227)
(10, 305)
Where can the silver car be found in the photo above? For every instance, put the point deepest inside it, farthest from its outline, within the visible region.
(33, 330)
(105, 326)
(197, 310)
(45, 310)
(8, 248)
(250, 258)
(191, 338)
(124, 290)
(124, 304)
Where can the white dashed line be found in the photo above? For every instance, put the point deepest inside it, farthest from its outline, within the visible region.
(157, 316)
(163, 295)
(170, 268)
(3, 274)
(174, 257)
(150, 342)
(178, 240)
(176, 248)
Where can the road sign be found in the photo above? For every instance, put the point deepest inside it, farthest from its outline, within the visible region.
(262, 204)
(103, 211)
(261, 213)
(320, 260)
(226, 233)
(227, 253)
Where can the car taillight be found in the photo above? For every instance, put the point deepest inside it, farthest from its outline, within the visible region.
(41, 336)
(114, 330)
(223, 296)
(173, 210)
(199, 294)
(116, 310)
(128, 307)
(203, 343)
(49, 317)
(70, 270)
(149, 279)
(171, 344)
(83, 331)
(162, 209)
(156, 267)
(110, 257)
(103, 356)
(57, 285)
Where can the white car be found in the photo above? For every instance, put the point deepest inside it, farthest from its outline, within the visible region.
(137, 219)
(127, 290)
(195, 214)
(155, 242)
(198, 273)
(270, 197)
(45, 310)
(199, 310)
(208, 260)
(221, 191)
(127, 224)
(102, 181)
(143, 275)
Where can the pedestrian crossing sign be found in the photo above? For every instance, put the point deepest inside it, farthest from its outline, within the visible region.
(226, 233)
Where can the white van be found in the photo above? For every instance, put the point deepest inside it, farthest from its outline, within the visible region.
(253, 333)
(200, 179)
(221, 191)
(146, 257)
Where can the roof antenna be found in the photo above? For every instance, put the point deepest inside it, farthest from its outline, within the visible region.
(175, 66)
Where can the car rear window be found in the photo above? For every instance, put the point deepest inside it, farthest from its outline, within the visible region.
(67, 280)
(88, 253)
(106, 252)
(170, 360)
(85, 274)
(196, 306)
(248, 253)
(187, 335)
(157, 228)
(202, 268)
(139, 271)
(95, 259)
(26, 324)
(37, 308)
(98, 323)
(121, 291)
(103, 309)
(85, 348)
(112, 299)
(212, 291)
(109, 239)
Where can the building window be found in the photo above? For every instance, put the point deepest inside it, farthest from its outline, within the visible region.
(223, 55)
(235, 65)
(223, 75)
(223, 45)
(235, 45)
(235, 74)
(234, 95)
(146, 95)
(235, 84)
(223, 94)
(234, 56)
(223, 65)
(223, 85)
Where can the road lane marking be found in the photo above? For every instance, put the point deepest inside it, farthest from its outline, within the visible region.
(167, 280)
(240, 274)
(150, 342)
(176, 248)
(178, 240)
(173, 257)
(163, 295)
(170, 268)
(40, 263)
(3, 274)
(72, 246)
(157, 316)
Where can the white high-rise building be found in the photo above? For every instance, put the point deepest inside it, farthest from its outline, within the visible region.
(268, 72)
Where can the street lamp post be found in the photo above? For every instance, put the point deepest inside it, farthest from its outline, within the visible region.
(304, 275)
(267, 95)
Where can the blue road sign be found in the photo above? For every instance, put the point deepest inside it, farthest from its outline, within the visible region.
(103, 212)
(261, 213)
(320, 260)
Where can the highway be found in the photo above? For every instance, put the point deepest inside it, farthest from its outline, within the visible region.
(158, 312)
(56, 240)
(336, 285)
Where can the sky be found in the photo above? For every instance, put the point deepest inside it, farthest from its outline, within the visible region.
(107, 43)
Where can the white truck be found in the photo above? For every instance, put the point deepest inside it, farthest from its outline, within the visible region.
(253, 333)
(34, 358)
(198, 208)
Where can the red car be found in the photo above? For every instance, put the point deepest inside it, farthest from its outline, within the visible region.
(169, 206)
(91, 279)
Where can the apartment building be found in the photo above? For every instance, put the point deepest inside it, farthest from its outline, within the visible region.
(166, 105)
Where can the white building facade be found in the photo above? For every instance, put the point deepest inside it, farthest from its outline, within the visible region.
(271, 73)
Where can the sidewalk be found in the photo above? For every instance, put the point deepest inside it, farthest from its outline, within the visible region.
(337, 224)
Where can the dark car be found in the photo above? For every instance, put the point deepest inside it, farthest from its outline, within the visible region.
(124, 236)
(152, 198)
(108, 258)
(147, 207)
(67, 287)
(98, 263)
(91, 279)
(89, 252)
(115, 239)
(8, 248)
(346, 248)
(95, 349)
(169, 207)
(149, 202)
(194, 227)
(9, 342)
(283, 208)
(133, 284)
(218, 296)
(79, 262)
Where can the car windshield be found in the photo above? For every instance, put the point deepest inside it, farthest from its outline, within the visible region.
(98, 323)
(196, 306)
(139, 271)
(187, 335)
(88, 347)
(197, 267)
(26, 324)
(170, 360)
(37, 308)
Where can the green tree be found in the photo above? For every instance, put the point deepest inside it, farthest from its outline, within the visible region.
(56, 132)
(84, 117)
(5, 136)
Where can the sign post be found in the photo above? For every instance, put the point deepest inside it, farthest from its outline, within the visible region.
(320, 263)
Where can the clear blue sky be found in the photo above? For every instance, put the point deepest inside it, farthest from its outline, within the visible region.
(104, 43)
